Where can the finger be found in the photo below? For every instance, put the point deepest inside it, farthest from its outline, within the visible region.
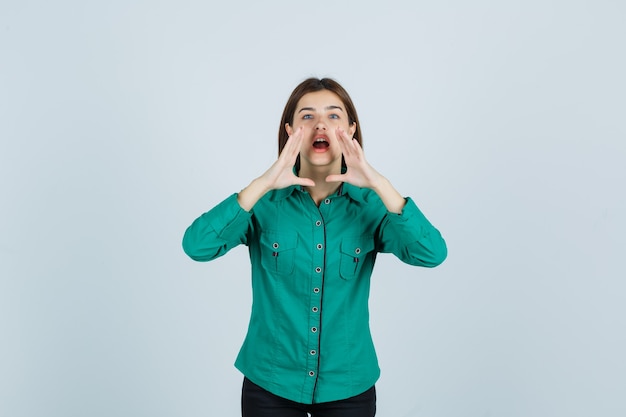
(294, 139)
(297, 142)
(292, 146)
(344, 141)
(340, 140)
(336, 178)
(343, 135)
(307, 182)
(351, 144)
(357, 146)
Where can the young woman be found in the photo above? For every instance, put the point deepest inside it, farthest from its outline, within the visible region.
(314, 223)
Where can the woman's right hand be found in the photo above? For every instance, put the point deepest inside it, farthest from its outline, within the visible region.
(279, 175)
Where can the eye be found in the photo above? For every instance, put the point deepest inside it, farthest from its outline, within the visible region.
(334, 116)
(307, 116)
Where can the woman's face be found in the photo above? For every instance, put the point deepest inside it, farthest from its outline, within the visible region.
(320, 113)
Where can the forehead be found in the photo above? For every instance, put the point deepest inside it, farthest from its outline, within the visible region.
(319, 100)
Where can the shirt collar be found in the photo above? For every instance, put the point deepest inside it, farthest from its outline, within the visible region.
(355, 193)
(284, 192)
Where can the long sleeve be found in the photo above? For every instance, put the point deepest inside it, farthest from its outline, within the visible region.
(217, 231)
(412, 238)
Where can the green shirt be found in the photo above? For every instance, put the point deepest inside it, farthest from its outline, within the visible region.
(309, 338)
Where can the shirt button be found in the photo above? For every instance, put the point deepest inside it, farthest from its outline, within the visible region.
(318, 223)
(314, 309)
(313, 353)
(327, 201)
(320, 246)
(357, 250)
(314, 329)
(275, 245)
(311, 373)
(316, 290)
(318, 269)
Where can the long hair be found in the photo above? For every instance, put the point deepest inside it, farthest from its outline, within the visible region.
(311, 85)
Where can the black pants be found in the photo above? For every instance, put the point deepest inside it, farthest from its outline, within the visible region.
(257, 402)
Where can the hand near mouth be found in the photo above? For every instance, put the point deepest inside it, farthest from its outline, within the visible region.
(360, 173)
(280, 175)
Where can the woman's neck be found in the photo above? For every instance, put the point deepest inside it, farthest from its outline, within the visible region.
(322, 189)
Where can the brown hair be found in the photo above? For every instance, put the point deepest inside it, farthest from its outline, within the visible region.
(311, 85)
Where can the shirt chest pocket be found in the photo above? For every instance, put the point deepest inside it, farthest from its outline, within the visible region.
(278, 252)
(354, 253)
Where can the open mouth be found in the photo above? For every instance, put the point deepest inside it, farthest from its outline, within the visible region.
(321, 143)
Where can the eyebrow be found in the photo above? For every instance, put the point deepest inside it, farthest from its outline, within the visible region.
(326, 108)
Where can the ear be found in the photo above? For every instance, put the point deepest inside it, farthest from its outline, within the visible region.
(288, 129)
(352, 129)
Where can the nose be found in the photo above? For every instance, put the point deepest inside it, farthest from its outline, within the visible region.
(320, 126)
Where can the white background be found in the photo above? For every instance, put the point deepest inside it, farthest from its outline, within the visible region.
(122, 121)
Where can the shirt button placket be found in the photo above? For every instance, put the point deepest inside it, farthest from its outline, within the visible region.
(316, 298)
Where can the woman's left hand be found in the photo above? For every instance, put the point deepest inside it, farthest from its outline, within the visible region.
(359, 172)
